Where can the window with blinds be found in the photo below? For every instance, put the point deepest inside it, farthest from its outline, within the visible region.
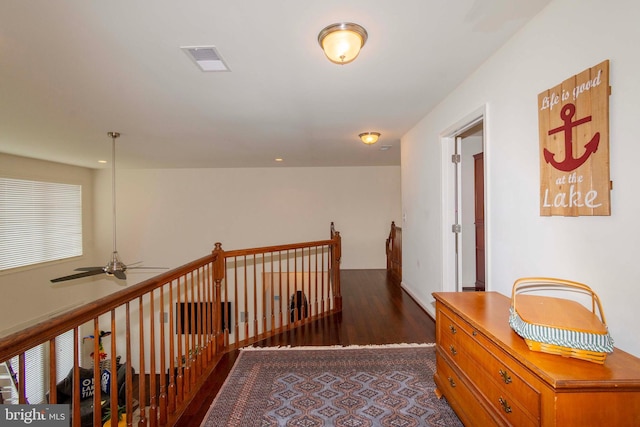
(39, 222)
(36, 362)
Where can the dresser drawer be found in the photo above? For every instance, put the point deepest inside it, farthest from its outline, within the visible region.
(464, 402)
(508, 406)
(519, 385)
(450, 324)
(482, 361)
(451, 334)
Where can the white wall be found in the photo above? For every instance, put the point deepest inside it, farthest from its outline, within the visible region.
(26, 294)
(566, 38)
(170, 217)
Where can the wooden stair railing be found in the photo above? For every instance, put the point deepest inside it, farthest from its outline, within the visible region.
(171, 330)
(393, 248)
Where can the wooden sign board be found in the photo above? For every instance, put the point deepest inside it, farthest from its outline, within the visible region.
(573, 121)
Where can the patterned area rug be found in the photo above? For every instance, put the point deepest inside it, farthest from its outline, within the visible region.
(332, 386)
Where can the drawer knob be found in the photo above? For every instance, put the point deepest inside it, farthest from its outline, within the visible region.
(452, 382)
(474, 333)
(453, 350)
(504, 405)
(453, 329)
(505, 376)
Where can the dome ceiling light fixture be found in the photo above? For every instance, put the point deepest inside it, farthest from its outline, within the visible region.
(342, 42)
(369, 138)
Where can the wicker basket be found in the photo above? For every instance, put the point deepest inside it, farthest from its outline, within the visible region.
(557, 325)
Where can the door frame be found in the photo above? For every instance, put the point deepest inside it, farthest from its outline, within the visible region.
(451, 267)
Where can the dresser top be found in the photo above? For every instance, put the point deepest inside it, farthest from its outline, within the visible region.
(489, 313)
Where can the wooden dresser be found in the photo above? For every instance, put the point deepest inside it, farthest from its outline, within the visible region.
(490, 377)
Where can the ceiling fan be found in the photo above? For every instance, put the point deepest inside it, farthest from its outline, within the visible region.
(114, 267)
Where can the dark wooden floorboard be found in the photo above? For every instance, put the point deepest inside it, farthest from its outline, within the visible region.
(374, 311)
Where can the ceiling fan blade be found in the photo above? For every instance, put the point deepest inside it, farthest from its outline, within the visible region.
(77, 275)
(89, 268)
(120, 274)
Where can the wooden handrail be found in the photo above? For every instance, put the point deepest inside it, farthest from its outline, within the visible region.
(277, 248)
(205, 302)
(21, 341)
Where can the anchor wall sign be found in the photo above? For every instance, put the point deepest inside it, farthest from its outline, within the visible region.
(573, 121)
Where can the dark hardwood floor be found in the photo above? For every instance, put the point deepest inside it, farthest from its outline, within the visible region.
(374, 311)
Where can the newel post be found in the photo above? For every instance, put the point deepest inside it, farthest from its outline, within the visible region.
(335, 264)
(218, 276)
(389, 244)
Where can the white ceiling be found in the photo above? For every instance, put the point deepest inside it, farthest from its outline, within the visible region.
(72, 71)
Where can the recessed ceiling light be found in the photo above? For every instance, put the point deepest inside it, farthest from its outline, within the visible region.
(385, 147)
(102, 161)
(206, 57)
(279, 159)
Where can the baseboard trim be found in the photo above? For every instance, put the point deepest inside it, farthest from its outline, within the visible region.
(429, 309)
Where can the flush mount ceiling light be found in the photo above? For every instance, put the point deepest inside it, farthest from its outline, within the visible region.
(369, 137)
(342, 42)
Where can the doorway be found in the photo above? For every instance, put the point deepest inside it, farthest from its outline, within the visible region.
(472, 264)
(463, 197)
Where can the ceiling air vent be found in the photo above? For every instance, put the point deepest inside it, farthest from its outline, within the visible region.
(206, 57)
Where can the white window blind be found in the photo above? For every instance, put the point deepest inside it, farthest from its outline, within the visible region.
(39, 222)
(36, 367)
(64, 355)
(34, 374)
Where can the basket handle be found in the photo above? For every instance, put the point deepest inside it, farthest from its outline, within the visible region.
(533, 282)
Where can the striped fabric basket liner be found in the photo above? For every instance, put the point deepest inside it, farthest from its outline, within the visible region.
(556, 325)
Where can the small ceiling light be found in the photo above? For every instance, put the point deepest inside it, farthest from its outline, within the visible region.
(279, 159)
(369, 137)
(342, 42)
(102, 161)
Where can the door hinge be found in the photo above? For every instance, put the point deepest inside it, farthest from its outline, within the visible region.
(455, 158)
(456, 228)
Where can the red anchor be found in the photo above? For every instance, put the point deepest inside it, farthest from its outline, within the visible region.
(570, 163)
